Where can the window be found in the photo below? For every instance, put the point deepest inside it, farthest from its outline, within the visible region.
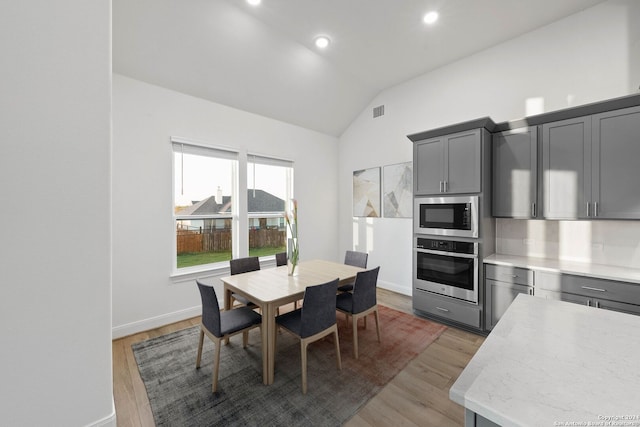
(208, 218)
(204, 208)
(270, 186)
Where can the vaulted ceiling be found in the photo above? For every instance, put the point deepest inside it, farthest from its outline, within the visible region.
(262, 59)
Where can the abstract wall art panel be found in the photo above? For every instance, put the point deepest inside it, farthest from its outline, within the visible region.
(398, 190)
(366, 193)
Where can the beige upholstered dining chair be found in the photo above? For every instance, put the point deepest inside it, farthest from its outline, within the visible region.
(361, 302)
(219, 325)
(315, 320)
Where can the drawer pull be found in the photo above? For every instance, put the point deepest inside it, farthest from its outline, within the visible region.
(588, 288)
(442, 309)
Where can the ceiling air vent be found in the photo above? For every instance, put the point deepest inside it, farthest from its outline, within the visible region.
(378, 111)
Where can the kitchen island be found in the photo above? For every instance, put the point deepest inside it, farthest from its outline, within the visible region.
(553, 363)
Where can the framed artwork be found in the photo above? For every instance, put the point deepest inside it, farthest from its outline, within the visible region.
(398, 190)
(366, 193)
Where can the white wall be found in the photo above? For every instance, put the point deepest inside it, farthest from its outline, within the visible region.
(145, 117)
(55, 256)
(587, 57)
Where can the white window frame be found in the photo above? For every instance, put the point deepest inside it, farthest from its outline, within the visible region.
(239, 210)
(213, 151)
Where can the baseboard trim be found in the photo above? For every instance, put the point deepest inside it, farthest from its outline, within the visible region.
(154, 322)
(390, 286)
(108, 421)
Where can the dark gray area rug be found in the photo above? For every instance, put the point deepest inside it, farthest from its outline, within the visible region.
(180, 394)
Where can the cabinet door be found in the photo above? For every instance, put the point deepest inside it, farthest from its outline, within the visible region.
(615, 174)
(563, 296)
(463, 162)
(500, 295)
(566, 164)
(429, 167)
(515, 177)
(618, 306)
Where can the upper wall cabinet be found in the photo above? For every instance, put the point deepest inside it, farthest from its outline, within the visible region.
(566, 157)
(449, 164)
(615, 180)
(515, 173)
(590, 166)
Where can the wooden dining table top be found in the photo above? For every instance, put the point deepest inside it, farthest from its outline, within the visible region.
(273, 284)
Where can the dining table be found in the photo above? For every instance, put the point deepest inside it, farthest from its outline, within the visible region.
(271, 288)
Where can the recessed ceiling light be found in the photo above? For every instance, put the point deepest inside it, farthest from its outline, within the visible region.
(254, 2)
(430, 17)
(322, 42)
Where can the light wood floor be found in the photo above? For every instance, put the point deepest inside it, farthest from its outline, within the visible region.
(417, 396)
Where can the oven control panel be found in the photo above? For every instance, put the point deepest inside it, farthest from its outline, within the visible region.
(446, 246)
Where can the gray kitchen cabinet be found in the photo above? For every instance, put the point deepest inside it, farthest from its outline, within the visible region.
(502, 286)
(615, 171)
(515, 174)
(590, 166)
(449, 164)
(429, 156)
(600, 293)
(566, 156)
(446, 308)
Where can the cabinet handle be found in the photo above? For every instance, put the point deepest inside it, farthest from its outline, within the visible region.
(442, 309)
(597, 304)
(533, 209)
(595, 208)
(530, 291)
(588, 303)
(441, 187)
(593, 289)
(444, 186)
(588, 210)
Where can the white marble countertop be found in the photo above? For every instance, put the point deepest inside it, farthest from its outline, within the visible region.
(609, 272)
(551, 363)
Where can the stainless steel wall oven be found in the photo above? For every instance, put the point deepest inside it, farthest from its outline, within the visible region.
(447, 267)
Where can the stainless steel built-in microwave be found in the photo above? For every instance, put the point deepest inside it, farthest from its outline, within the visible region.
(446, 216)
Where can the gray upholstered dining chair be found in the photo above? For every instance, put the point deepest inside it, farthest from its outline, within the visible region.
(361, 302)
(315, 320)
(281, 259)
(218, 325)
(239, 266)
(356, 259)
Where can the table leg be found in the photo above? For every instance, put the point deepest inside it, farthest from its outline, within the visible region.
(265, 344)
(271, 340)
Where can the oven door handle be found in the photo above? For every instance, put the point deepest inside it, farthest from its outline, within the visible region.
(453, 254)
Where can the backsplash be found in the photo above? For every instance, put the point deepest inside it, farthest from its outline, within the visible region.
(601, 242)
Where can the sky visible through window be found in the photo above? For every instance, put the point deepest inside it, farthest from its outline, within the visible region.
(203, 175)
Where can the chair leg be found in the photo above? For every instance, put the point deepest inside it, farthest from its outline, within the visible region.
(303, 355)
(335, 333)
(355, 336)
(200, 343)
(365, 322)
(377, 324)
(245, 339)
(216, 367)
